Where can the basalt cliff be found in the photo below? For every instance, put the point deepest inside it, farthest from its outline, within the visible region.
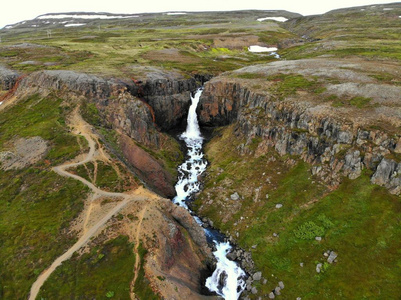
(338, 140)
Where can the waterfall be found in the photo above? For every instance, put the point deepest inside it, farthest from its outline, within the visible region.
(228, 280)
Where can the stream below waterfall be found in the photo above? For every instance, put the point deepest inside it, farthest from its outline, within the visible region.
(228, 280)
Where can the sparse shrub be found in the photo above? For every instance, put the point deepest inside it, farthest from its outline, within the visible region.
(360, 102)
(309, 230)
(110, 294)
(325, 221)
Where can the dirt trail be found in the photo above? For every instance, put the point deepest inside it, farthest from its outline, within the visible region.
(83, 128)
(137, 258)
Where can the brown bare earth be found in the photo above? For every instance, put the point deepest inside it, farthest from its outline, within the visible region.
(173, 55)
(23, 153)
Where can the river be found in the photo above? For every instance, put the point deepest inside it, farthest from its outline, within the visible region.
(228, 280)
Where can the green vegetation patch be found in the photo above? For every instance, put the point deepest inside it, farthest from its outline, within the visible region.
(309, 230)
(36, 205)
(141, 286)
(288, 84)
(108, 178)
(105, 272)
(44, 117)
(358, 102)
(250, 75)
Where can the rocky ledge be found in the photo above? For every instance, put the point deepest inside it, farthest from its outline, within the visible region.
(340, 116)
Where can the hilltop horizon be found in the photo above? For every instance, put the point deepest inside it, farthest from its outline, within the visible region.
(304, 9)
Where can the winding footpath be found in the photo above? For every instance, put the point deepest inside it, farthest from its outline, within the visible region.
(83, 129)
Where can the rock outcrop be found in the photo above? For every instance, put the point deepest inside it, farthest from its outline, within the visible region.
(337, 142)
(147, 167)
(178, 253)
(8, 78)
(79, 83)
(168, 94)
(25, 152)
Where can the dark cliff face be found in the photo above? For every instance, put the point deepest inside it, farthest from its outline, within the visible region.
(334, 147)
(169, 98)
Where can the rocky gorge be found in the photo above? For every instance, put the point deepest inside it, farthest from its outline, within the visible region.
(300, 123)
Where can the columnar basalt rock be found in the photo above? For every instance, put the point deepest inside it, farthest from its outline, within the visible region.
(336, 147)
(168, 94)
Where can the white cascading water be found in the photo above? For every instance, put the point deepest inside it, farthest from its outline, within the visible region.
(228, 280)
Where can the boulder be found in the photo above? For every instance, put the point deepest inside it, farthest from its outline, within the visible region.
(235, 196)
(333, 255)
(8, 78)
(257, 276)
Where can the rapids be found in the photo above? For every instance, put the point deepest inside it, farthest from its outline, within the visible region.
(228, 280)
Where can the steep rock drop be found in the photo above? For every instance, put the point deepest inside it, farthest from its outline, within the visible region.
(228, 280)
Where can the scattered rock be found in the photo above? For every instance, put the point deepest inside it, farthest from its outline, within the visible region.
(267, 196)
(299, 298)
(232, 255)
(223, 278)
(277, 290)
(279, 205)
(275, 234)
(318, 238)
(29, 62)
(332, 257)
(254, 290)
(257, 276)
(271, 295)
(254, 246)
(235, 196)
(302, 265)
(281, 285)
(264, 281)
(318, 268)
(26, 152)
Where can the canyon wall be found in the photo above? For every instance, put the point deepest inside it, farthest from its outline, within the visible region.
(335, 147)
(139, 112)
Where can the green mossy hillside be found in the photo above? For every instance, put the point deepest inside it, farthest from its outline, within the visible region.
(358, 220)
(36, 205)
(104, 272)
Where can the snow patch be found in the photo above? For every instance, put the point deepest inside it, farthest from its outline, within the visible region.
(8, 27)
(388, 8)
(176, 13)
(74, 25)
(278, 19)
(84, 17)
(258, 49)
(275, 55)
